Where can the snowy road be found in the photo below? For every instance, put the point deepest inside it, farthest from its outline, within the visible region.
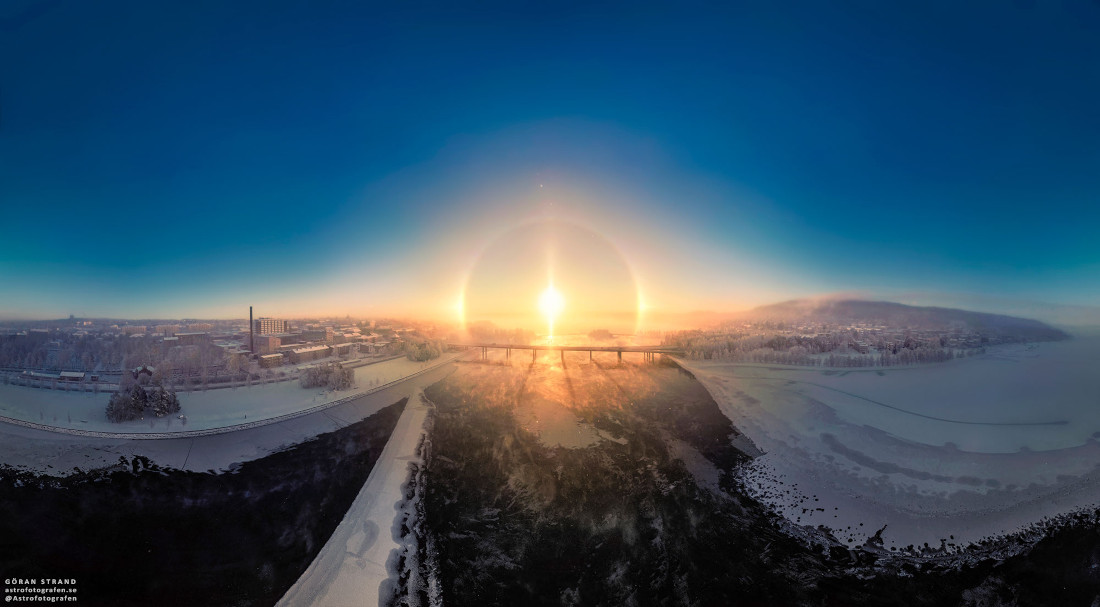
(83, 413)
(57, 453)
(356, 562)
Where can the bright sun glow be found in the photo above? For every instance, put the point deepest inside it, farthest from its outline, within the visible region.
(550, 304)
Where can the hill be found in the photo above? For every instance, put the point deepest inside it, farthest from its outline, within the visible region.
(902, 316)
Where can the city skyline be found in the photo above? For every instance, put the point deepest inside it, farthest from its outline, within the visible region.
(187, 162)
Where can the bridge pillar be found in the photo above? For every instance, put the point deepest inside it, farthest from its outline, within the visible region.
(508, 353)
(532, 355)
(590, 356)
(620, 357)
(562, 357)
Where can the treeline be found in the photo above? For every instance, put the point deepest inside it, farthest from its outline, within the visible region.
(737, 341)
(131, 403)
(820, 351)
(35, 351)
(61, 351)
(799, 356)
(423, 351)
(327, 375)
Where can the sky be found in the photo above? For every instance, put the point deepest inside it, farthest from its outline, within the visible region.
(189, 159)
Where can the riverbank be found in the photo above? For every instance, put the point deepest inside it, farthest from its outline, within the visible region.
(55, 453)
(955, 452)
(142, 533)
(361, 556)
(202, 412)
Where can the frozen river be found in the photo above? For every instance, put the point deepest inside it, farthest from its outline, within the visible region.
(968, 448)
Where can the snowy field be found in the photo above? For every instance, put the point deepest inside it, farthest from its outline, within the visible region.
(954, 451)
(55, 453)
(200, 409)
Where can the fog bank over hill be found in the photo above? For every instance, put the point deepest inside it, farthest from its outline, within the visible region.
(845, 310)
(901, 315)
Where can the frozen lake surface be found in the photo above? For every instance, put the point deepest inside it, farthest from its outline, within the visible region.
(969, 448)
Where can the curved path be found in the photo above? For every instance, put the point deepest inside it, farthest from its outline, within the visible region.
(49, 451)
(222, 430)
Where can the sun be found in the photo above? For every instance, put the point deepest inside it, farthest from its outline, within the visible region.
(551, 303)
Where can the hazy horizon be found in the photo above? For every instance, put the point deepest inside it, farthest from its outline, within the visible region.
(649, 163)
(1079, 317)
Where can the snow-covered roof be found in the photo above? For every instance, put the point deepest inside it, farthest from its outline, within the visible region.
(309, 349)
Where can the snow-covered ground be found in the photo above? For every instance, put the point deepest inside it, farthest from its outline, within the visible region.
(360, 556)
(55, 453)
(201, 410)
(954, 451)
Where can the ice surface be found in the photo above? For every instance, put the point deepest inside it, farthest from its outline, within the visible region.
(968, 448)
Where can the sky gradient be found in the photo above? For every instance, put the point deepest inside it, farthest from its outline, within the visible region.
(190, 159)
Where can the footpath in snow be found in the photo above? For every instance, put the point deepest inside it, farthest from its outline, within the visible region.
(354, 567)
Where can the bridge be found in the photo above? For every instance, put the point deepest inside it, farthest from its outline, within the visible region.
(650, 352)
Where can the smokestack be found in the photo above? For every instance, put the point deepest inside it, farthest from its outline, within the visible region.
(251, 343)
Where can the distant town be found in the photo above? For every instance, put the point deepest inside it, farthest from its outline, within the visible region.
(89, 353)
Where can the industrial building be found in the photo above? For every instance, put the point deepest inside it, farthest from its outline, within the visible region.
(271, 326)
(301, 355)
(271, 360)
(191, 339)
(325, 334)
(267, 344)
(343, 349)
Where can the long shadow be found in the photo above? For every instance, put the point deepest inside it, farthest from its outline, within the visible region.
(569, 385)
(610, 378)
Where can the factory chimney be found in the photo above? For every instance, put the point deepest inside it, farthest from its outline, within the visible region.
(251, 342)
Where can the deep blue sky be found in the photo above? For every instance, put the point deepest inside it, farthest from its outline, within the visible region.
(186, 159)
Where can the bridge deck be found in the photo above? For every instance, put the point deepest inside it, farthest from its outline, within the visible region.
(648, 349)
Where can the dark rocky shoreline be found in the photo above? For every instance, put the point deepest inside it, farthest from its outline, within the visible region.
(517, 522)
(139, 534)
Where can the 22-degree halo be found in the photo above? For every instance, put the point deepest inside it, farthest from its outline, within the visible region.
(505, 282)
